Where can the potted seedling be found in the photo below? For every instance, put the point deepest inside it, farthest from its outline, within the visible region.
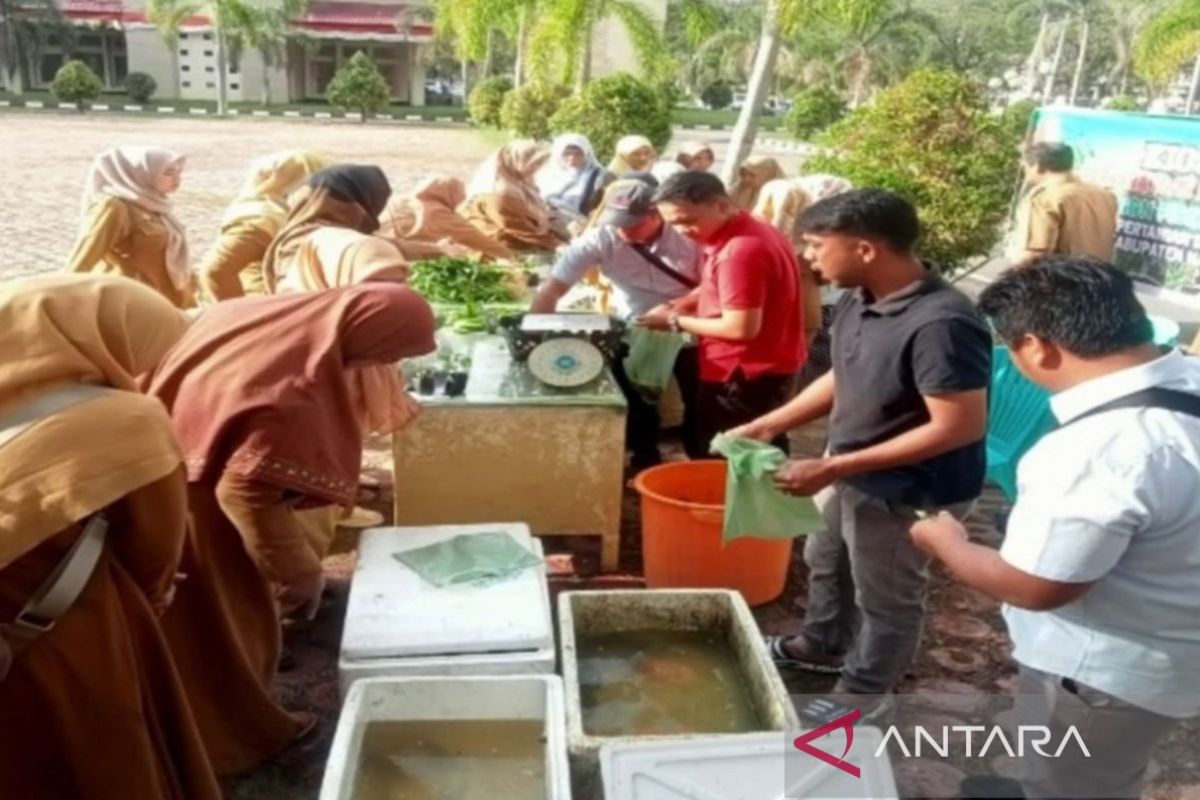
(457, 371)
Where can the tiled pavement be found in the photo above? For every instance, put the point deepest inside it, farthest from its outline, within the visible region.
(44, 158)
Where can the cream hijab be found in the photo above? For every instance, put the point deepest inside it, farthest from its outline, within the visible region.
(80, 329)
(626, 147)
(132, 173)
(263, 196)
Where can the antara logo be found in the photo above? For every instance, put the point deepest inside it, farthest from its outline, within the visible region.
(1028, 736)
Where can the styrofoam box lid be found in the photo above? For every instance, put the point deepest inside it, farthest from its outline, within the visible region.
(741, 767)
(394, 613)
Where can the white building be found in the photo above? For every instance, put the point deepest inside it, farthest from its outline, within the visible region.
(114, 38)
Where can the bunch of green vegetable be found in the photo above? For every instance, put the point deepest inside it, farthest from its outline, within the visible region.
(460, 280)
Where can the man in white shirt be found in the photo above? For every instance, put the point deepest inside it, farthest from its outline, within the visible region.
(651, 265)
(1100, 568)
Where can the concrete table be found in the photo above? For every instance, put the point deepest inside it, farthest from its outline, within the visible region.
(514, 450)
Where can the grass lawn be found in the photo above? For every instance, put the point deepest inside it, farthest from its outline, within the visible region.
(725, 118)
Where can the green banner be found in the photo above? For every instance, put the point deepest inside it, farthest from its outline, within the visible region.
(1152, 163)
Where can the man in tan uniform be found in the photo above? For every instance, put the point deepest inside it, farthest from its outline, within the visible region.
(1061, 213)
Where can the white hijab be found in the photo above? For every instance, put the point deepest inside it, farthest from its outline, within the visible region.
(132, 173)
(562, 185)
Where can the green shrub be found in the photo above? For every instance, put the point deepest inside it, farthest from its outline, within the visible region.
(526, 112)
(75, 82)
(616, 106)
(1123, 103)
(931, 140)
(717, 95)
(140, 87)
(359, 86)
(483, 104)
(813, 110)
(1017, 118)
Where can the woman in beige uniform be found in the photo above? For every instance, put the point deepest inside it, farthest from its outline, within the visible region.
(129, 227)
(233, 267)
(91, 705)
(429, 216)
(504, 203)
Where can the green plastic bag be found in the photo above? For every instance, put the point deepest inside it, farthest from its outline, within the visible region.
(753, 506)
(651, 359)
(478, 558)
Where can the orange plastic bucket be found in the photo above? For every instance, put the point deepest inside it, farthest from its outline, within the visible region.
(683, 512)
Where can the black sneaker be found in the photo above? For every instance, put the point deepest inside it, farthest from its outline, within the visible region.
(798, 655)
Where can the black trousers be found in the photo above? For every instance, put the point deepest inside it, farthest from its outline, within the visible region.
(642, 423)
(725, 405)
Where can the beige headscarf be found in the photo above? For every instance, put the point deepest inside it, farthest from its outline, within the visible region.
(80, 329)
(132, 173)
(511, 172)
(754, 173)
(263, 196)
(626, 147)
(780, 202)
(689, 150)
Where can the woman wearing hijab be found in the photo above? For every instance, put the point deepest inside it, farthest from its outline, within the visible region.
(429, 215)
(695, 156)
(634, 154)
(573, 180)
(262, 401)
(780, 203)
(754, 173)
(233, 267)
(327, 239)
(91, 476)
(504, 203)
(129, 227)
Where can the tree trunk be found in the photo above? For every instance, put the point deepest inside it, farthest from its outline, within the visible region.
(522, 32)
(489, 55)
(1048, 91)
(1035, 56)
(14, 55)
(585, 60)
(862, 75)
(1083, 46)
(747, 125)
(266, 78)
(466, 80)
(1194, 89)
(222, 78)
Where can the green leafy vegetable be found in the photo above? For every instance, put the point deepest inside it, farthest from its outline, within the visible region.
(459, 280)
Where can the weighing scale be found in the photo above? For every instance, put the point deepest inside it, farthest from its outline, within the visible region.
(564, 351)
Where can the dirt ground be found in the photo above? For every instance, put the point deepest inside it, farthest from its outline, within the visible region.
(965, 650)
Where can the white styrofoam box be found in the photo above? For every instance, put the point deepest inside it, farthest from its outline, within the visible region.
(398, 624)
(663, 609)
(743, 767)
(474, 698)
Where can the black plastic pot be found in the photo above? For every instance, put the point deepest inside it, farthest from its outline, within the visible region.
(456, 384)
(426, 383)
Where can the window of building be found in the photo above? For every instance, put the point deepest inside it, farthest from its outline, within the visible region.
(187, 84)
(185, 68)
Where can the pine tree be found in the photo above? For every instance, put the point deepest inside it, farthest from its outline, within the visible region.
(359, 85)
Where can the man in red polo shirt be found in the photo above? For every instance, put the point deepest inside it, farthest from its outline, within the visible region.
(747, 312)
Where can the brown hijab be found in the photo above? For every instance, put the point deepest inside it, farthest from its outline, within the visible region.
(262, 387)
(346, 196)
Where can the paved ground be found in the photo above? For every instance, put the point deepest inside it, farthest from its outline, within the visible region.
(45, 160)
(46, 156)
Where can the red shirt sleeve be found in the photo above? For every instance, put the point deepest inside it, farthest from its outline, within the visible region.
(741, 281)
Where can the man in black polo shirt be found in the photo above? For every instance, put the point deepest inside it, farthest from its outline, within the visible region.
(907, 401)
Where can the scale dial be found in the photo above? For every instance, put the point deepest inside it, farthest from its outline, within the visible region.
(566, 362)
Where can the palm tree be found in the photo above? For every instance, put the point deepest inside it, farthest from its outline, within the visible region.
(1167, 44)
(746, 129)
(169, 15)
(560, 45)
(266, 29)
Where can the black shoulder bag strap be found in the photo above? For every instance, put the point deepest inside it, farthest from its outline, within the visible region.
(662, 266)
(1154, 397)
